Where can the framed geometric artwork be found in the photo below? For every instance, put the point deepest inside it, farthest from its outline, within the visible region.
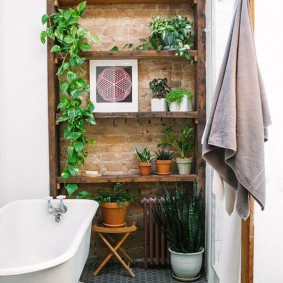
(114, 85)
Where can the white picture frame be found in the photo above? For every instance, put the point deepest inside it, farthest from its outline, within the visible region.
(114, 85)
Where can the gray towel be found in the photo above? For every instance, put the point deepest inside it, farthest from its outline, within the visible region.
(233, 141)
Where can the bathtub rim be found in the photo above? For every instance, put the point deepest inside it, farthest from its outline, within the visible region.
(61, 258)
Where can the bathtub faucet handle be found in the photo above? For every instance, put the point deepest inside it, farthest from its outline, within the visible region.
(62, 205)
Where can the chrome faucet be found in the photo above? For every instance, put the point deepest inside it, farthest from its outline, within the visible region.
(57, 211)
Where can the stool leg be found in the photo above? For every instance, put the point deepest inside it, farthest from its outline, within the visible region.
(121, 249)
(117, 255)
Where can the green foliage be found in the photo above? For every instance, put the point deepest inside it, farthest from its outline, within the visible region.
(174, 33)
(177, 96)
(70, 39)
(144, 156)
(163, 154)
(159, 87)
(182, 223)
(184, 143)
(117, 195)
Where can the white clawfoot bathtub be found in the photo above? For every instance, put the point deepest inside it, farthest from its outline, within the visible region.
(33, 249)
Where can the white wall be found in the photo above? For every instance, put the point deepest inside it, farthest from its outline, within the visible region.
(269, 223)
(23, 102)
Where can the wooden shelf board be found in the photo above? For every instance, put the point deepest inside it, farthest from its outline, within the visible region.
(133, 54)
(128, 179)
(143, 115)
(107, 2)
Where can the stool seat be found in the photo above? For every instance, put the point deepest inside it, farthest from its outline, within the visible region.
(103, 233)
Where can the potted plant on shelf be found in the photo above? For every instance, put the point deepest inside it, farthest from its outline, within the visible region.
(175, 33)
(163, 161)
(182, 225)
(179, 100)
(159, 88)
(69, 40)
(144, 157)
(183, 144)
(113, 204)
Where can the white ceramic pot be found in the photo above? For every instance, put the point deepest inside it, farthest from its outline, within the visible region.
(185, 105)
(186, 265)
(158, 105)
(184, 165)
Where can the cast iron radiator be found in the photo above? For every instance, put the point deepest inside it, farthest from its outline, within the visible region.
(156, 246)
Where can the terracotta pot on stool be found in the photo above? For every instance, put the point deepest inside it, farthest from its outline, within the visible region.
(114, 214)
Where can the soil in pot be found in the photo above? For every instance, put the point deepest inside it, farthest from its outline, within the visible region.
(114, 214)
(145, 169)
(163, 167)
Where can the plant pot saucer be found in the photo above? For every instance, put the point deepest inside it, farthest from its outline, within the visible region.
(114, 226)
(163, 173)
(185, 279)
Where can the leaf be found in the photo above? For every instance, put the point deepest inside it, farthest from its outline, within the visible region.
(62, 118)
(93, 38)
(71, 76)
(70, 151)
(77, 92)
(74, 136)
(114, 48)
(91, 120)
(92, 142)
(73, 170)
(73, 31)
(67, 15)
(78, 146)
(64, 87)
(71, 188)
(43, 36)
(83, 195)
(85, 46)
(81, 7)
(49, 32)
(69, 39)
(55, 48)
(65, 174)
(44, 19)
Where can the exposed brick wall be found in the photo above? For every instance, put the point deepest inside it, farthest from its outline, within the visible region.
(117, 138)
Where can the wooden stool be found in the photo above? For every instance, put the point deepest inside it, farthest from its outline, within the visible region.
(114, 249)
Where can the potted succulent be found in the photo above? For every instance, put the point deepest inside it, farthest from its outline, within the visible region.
(183, 227)
(184, 144)
(163, 161)
(159, 88)
(113, 203)
(172, 34)
(179, 100)
(144, 157)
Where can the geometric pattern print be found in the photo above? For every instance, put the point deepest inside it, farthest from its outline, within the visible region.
(114, 84)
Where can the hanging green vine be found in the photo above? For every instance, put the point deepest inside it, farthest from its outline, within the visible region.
(70, 39)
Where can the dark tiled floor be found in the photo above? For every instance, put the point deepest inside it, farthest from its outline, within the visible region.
(115, 273)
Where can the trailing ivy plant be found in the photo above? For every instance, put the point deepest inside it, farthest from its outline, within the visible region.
(70, 39)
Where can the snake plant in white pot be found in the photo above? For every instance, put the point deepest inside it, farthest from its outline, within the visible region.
(183, 226)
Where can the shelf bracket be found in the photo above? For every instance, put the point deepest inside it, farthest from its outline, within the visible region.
(58, 187)
(195, 58)
(56, 3)
(56, 61)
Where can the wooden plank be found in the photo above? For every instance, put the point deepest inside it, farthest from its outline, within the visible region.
(125, 54)
(247, 249)
(142, 115)
(200, 88)
(52, 107)
(109, 2)
(128, 179)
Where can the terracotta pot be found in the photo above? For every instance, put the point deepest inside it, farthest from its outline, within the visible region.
(163, 167)
(145, 169)
(113, 214)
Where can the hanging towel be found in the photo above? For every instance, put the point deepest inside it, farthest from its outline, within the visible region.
(233, 141)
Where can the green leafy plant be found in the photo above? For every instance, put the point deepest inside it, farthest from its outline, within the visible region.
(182, 222)
(183, 143)
(177, 96)
(144, 156)
(116, 195)
(163, 154)
(175, 33)
(70, 39)
(159, 87)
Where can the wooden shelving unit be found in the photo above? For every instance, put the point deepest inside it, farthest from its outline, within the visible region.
(199, 115)
(129, 179)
